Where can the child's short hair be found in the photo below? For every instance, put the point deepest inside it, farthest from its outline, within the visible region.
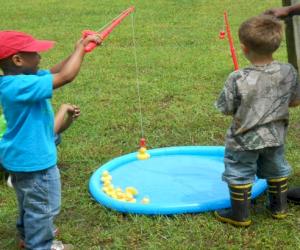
(261, 34)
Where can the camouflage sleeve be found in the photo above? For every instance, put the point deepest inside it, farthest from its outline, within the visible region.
(295, 96)
(226, 102)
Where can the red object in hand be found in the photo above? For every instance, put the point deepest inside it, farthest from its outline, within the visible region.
(104, 33)
(143, 143)
(222, 35)
(230, 40)
(86, 33)
(91, 45)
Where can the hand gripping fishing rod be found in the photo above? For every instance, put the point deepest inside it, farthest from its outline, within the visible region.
(104, 32)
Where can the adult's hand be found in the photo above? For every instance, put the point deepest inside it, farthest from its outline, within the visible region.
(278, 12)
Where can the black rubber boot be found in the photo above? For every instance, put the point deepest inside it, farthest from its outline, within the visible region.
(238, 215)
(293, 195)
(277, 192)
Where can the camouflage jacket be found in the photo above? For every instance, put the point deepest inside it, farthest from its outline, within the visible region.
(258, 98)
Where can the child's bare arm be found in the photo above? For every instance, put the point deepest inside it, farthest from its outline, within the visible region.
(65, 116)
(57, 68)
(71, 67)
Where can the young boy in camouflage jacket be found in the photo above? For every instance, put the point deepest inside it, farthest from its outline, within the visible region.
(258, 98)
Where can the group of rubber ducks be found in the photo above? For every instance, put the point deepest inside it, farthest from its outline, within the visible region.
(129, 195)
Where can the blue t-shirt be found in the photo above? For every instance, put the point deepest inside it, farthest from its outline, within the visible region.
(28, 142)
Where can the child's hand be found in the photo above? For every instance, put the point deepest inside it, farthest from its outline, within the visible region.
(65, 116)
(75, 112)
(83, 42)
(71, 110)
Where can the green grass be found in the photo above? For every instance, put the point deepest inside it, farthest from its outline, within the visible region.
(182, 68)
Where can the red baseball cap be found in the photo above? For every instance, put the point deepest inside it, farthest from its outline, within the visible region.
(12, 42)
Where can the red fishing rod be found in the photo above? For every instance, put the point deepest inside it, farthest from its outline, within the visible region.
(104, 32)
(230, 40)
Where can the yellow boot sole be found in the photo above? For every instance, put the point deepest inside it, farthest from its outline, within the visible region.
(232, 222)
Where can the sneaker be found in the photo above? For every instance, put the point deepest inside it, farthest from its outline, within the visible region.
(22, 242)
(9, 183)
(58, 245)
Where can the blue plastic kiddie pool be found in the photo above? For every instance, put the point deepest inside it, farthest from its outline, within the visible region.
(176, 180)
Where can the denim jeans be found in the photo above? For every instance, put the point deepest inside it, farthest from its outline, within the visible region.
(39, 199)
(267, 163)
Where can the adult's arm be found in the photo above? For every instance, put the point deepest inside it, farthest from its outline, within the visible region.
(284, 11)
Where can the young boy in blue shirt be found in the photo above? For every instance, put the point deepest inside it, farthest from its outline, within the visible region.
(27, 148)
(258, 98)
(64, 117)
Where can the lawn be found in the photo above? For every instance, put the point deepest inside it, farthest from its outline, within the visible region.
(182, 66)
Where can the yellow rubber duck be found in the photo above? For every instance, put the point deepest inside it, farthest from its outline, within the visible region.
(120, 195)
(106, 178)
(111, 187)
(142, 153)
(105, 189)
(128, 196)
(106, 183)
(112, 194)
(131, 190)
(145, 200)
(105, 173)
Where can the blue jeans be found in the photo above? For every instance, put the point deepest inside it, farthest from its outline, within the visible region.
(39, 198)
(267, 163)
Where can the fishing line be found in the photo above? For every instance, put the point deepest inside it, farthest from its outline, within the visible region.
(137, 74)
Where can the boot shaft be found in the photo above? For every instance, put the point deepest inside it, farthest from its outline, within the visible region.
(277, 192)
(240, 196)
(238, 214)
